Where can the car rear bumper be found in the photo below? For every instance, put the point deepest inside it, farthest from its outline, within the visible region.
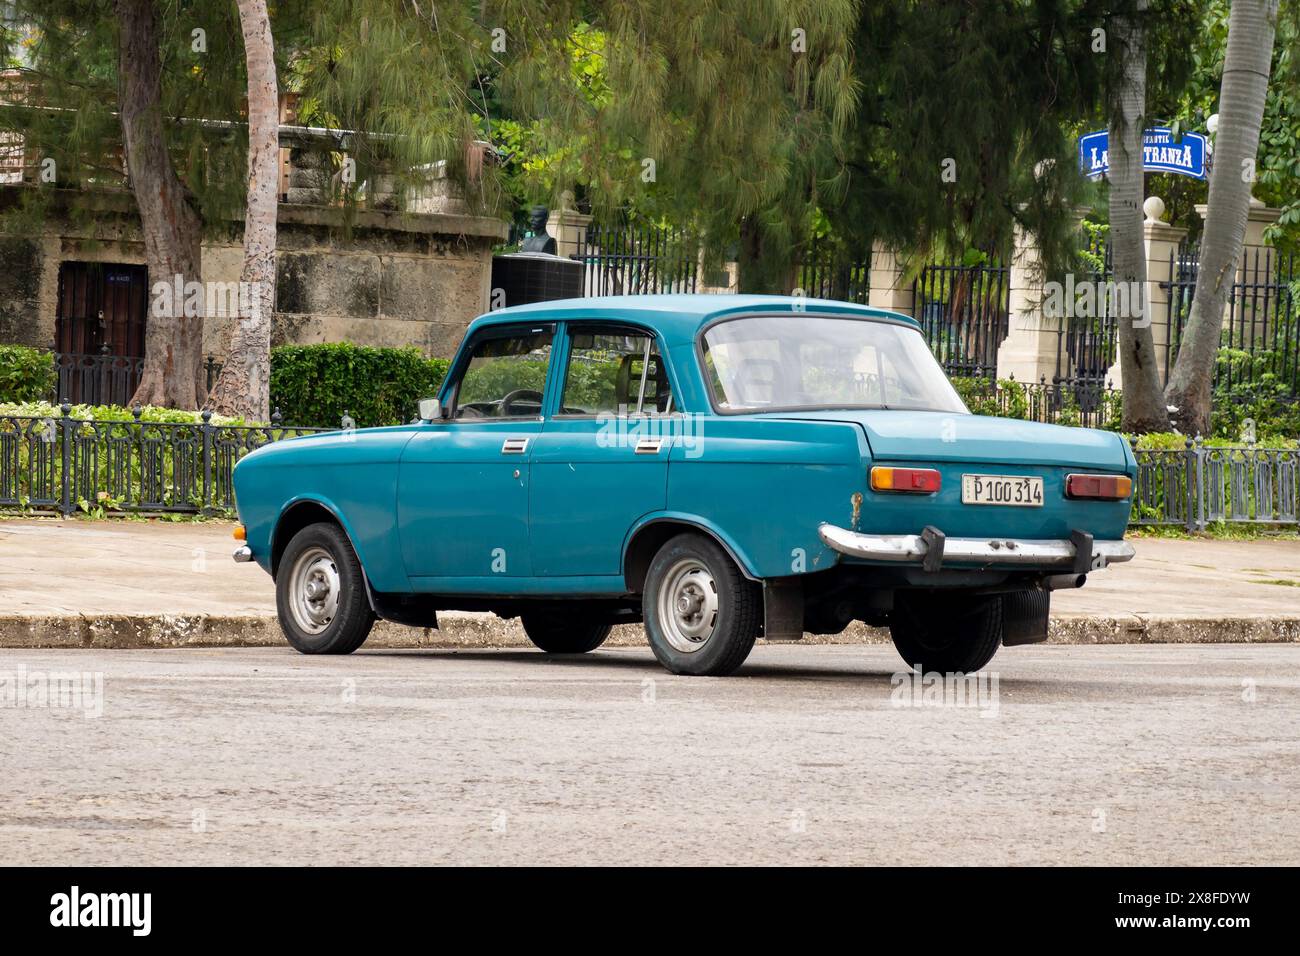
(933, 549)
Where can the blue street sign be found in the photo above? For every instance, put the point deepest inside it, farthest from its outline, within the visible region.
(1161, 153)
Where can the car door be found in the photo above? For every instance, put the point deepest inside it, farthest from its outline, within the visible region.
(462, 495)
(601, 461)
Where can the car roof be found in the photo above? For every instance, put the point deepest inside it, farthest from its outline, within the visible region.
(678, 317)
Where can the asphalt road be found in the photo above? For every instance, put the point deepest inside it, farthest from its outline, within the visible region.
(1096, 755)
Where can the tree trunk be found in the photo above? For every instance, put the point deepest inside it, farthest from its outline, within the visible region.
(757, 270)
(1144, 407)
(244, 387)
(1246, 66)
(173, 343)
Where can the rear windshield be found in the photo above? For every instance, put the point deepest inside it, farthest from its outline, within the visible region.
(787, 362)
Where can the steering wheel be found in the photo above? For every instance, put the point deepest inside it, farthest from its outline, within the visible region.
(507, 403)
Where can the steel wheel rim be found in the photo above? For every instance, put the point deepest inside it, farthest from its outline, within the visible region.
(314, 590)
(688, 606)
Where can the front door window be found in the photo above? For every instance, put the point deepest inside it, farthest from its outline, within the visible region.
(505, 377)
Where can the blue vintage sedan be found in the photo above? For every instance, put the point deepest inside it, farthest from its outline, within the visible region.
(719, 467)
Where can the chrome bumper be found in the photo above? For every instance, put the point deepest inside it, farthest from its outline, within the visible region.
(1018, 551)
(243, 554)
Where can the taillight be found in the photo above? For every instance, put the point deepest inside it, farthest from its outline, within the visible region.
(1105, 487)
(912, 481)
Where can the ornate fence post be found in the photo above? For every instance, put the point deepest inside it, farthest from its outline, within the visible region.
(205, 504)
(1196, 490)
(65, 424)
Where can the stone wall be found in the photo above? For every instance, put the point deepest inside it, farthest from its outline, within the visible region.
(389, 279)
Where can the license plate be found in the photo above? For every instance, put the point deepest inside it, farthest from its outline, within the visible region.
(1002, 490)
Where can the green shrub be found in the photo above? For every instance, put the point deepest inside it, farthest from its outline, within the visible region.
(26, 374)
(149, 414)
(314, 385)
(1175, 441)
(1256, 392)
(1005, 398)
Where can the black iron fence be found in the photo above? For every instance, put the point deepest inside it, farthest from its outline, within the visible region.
(1086, 348)
(102, 378)
(829, 271)
(1085, 402)
(1261, 319)
(65, 464)
(964, 314)
(1197, 485)
(638, 259)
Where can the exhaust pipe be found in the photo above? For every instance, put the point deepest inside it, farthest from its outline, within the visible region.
(1055, 582)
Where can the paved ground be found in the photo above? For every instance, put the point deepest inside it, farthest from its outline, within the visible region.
(163, 568)
(1099, 755)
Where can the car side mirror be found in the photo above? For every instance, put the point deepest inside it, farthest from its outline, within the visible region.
(431, 410)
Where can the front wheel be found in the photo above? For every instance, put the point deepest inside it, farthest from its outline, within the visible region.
(949, 633)
(701, 614)
(320, 593)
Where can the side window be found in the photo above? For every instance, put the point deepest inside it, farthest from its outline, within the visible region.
(614, 372)
(505, 377)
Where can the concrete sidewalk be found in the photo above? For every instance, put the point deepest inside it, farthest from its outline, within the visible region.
(68, 583)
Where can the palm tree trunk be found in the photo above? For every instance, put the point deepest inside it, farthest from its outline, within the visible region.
(1144, 408)
(1246, 66)
(171, 226)
(244, 387)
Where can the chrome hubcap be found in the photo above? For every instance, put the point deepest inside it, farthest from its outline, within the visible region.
(314, 590)
(688, 606)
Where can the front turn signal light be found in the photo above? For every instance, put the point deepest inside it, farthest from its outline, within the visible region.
(239, 533)
(911, 481)
(1101, 487)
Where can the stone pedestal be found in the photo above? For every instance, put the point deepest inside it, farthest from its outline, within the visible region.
(1029, 351)
(720, 281)
(436, 193)
(308, 179)
(1161, 242)
(568, 228)
(888, 284)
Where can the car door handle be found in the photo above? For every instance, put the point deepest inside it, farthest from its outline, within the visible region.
(514, 446)
(649, 446)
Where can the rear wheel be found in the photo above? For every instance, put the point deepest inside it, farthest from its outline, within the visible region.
(950, 633)
(320, 593)
(555, 632)
(701, 614)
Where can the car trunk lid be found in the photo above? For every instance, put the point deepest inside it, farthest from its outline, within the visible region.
(898, 435)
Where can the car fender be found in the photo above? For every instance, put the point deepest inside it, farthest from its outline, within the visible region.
(743, 560)
(337, 514)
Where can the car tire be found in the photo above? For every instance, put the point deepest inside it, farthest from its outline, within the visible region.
(320, 592)
(949, 633)
(701, 614)
(557, 633)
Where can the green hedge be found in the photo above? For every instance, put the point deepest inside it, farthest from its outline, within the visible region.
(149, 414)
(981, 396)
(314, 385)
(26, 374)
(1176, 441)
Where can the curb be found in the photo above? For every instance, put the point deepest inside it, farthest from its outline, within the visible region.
(463, 630)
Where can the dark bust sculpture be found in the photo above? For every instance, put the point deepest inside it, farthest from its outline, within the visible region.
(539, 241)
